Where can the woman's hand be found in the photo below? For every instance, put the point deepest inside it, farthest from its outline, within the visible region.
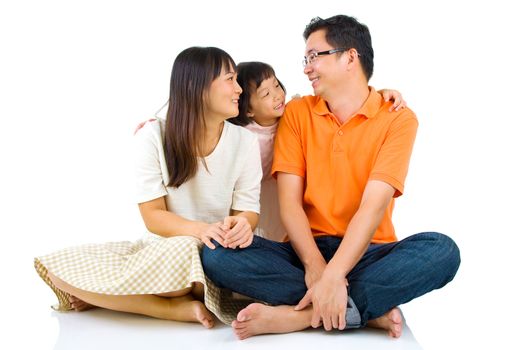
(238, 232)
(206, 232)
(396, 97)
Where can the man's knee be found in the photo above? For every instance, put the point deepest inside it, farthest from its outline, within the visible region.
(212, 259)
(445, 252)
(451, 254)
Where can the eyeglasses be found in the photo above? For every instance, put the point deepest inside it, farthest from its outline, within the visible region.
(313, 56)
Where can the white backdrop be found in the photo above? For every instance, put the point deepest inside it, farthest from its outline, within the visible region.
(76, 77)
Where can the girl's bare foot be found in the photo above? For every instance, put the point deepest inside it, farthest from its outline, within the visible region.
(78, 304)
(392, 322)
(187, 309)
(258, 319)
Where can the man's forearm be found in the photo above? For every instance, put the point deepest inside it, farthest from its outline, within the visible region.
(361, 229)
(354, 244)
(300, 235)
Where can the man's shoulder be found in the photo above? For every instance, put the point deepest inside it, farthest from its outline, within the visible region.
(302, 109)
(402, 115)
(304, 102)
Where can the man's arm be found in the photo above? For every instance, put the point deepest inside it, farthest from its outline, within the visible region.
(361, 228)
(329, 294)
(294, 219)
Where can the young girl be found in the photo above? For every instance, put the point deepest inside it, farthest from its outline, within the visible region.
(198, 179)
(261, 104)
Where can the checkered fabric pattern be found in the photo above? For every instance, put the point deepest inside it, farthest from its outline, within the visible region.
(151, 265)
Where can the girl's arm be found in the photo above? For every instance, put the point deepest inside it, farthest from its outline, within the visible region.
(162, 222)
(396, 97)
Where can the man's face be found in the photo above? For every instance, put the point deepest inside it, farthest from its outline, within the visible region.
(324, 71)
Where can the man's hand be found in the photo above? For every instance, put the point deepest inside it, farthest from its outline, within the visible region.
(313, 273)
(329, 298)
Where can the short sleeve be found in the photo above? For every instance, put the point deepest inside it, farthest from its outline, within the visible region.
(246, 194)
(148, 158)
(288, 152)
(392, 162)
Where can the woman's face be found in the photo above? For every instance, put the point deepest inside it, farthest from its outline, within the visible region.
(221, 100)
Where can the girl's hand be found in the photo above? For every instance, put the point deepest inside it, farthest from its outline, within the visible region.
(238, 232)
(206, 232)
(393, 95)
(142, 124)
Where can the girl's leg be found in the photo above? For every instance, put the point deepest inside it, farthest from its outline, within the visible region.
(179, 306)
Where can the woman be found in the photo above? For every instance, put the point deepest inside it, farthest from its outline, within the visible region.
(198, 179)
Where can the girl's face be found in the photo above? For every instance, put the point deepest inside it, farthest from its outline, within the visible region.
(266, 104)
(221, 101)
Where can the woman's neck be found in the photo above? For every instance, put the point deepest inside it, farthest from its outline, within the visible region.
(212, 134)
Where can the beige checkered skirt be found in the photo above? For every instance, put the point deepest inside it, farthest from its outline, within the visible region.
(151, 265)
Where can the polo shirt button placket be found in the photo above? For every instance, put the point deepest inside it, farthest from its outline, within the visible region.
(340, 132)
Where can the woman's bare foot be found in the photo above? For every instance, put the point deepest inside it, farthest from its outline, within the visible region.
(258, 319)
(78, 304)
(187, 309)
(392, 322)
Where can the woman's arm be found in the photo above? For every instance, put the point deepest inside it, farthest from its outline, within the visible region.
(162, 222)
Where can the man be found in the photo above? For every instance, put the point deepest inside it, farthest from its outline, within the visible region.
(341, 159)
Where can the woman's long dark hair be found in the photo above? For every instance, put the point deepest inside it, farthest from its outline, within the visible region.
(193, 71)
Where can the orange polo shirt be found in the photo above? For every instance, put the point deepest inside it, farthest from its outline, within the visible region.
(337, 160)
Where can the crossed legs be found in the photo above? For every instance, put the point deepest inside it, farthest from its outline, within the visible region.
(388, 275)
(183, 305)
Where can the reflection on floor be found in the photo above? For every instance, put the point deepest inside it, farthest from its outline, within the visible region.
(103, 329)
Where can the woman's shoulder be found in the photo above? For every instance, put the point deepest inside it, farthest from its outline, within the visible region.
(151, 130)
(239, 134)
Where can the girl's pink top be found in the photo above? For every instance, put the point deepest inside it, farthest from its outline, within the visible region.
(270, 225)
(266, 136)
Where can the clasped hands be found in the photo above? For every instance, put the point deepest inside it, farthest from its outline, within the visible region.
(233, 232)
(328, 296)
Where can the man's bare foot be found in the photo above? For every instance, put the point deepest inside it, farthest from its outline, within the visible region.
(78, 304)
(392, 322)
(187, 309)
(258, 319)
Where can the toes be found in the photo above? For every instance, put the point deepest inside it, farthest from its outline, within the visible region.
(243, 316)
(395, 316)
(208, 324)
(242, 335)
(237, 324)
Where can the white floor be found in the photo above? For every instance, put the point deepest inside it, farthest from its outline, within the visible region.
(102, 329)
(76, 79)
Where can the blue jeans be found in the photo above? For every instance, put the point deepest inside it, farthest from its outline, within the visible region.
(387, 275)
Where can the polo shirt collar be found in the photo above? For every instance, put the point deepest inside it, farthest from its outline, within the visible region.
(369, 109)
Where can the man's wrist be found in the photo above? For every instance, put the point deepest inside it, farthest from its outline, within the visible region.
(317, 263)
(335, 272)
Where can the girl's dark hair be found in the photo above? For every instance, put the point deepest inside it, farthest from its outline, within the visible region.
(193, 71)
(250, 76)
(347, 32)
